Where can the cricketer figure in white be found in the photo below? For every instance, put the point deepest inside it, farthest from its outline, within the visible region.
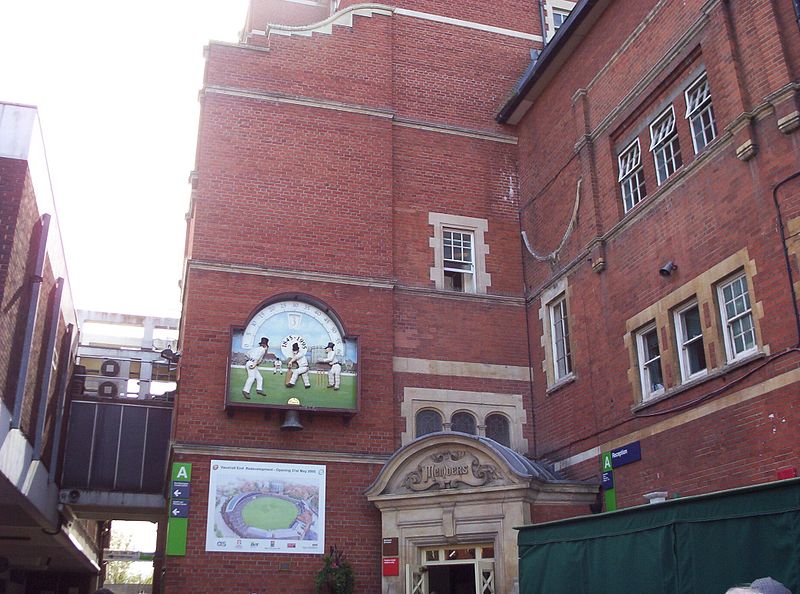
(333, 359)
(302, 367)
(254, 358)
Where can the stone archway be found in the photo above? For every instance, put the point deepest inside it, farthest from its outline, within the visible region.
(457, 489)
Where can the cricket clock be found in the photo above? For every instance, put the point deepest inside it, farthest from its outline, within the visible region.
(308, 362)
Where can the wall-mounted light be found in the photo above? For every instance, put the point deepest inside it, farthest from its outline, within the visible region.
(668, 268)
(170, 356)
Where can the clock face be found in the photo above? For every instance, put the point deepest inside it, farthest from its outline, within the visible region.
(289, 323)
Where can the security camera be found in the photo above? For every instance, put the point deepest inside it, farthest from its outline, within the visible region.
(666, 269)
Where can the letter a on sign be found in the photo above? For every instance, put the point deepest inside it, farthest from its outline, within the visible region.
(182, 474)
(606, 461)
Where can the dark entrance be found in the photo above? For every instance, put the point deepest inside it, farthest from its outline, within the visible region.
(451, 579)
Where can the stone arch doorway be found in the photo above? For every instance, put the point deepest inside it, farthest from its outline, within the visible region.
(449, 500)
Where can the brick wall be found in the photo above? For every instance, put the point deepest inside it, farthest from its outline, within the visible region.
(20, 236)
(13, 262)
(326, 161)
(714, 206)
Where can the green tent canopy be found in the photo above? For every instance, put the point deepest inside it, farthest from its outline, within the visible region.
(696, 545)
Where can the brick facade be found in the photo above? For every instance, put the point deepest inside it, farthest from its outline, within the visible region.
(714, 433)
(321, 159)
(21, 231)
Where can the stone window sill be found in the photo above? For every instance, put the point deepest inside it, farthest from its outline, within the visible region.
(561, 383)
(681, 388)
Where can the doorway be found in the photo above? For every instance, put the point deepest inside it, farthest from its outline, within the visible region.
(451, 579)
(458, 570)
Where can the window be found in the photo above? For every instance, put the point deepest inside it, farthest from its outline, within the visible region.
(689, 333)
(559, 332)
(428, 421)
(463, 422)
(459, 253)
(459, 264)
(664, 145)
(631, 175)
(700, 113)
(427, 410)
(737, 318)
(497, 429)
(559, 16)
(650, 363)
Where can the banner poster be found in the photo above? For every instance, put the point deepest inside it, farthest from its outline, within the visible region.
(265, 507)
(293, 354)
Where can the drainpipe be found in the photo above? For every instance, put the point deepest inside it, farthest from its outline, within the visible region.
(786, 257)
(541, 19)
(33, 304)
(53, 319)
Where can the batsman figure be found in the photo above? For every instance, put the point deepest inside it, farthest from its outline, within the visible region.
(254, 358)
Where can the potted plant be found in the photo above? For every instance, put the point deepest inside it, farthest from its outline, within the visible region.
(336, 575)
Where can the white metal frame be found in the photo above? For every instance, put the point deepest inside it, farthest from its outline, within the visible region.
(562, 323)
(455, 244)
(645, 362)
(550, 6)
(484, 569)
(700, 113)
(684, 341)
(742, 311)
(631, 175)
(664, 145)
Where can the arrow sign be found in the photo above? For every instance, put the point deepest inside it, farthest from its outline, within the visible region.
(178, 522)
(180, 490)
(179, 509)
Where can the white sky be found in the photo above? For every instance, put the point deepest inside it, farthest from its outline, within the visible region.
(116, 84)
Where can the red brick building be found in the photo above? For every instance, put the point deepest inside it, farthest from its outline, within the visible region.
(658, 163)
(369, 175)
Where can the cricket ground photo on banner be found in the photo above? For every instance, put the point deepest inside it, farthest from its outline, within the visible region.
(293, 354)
(263, 507)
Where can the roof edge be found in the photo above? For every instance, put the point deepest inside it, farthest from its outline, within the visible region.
(536, 69)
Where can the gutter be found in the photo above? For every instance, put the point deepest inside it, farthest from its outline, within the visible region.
(538, 67)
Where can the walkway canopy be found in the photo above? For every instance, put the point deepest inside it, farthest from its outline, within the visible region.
(696, 545)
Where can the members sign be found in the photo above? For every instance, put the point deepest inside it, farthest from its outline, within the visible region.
(261, 507)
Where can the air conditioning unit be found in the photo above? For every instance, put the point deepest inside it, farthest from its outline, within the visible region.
(107, 390)
(109, 368)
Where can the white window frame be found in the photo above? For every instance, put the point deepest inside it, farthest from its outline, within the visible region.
(683, 342)
(728, 322)
(564, 14)
(550, 7)
(560, 305)
(631, 175)
(698, 107)
(468, 274)
(664, 144)
(644, 375)
(479, 228)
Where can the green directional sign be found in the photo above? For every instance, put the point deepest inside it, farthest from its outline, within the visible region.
(609, 494)
(605, 461)
(178, 510)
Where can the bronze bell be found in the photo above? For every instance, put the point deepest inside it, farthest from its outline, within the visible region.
(291, 422)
